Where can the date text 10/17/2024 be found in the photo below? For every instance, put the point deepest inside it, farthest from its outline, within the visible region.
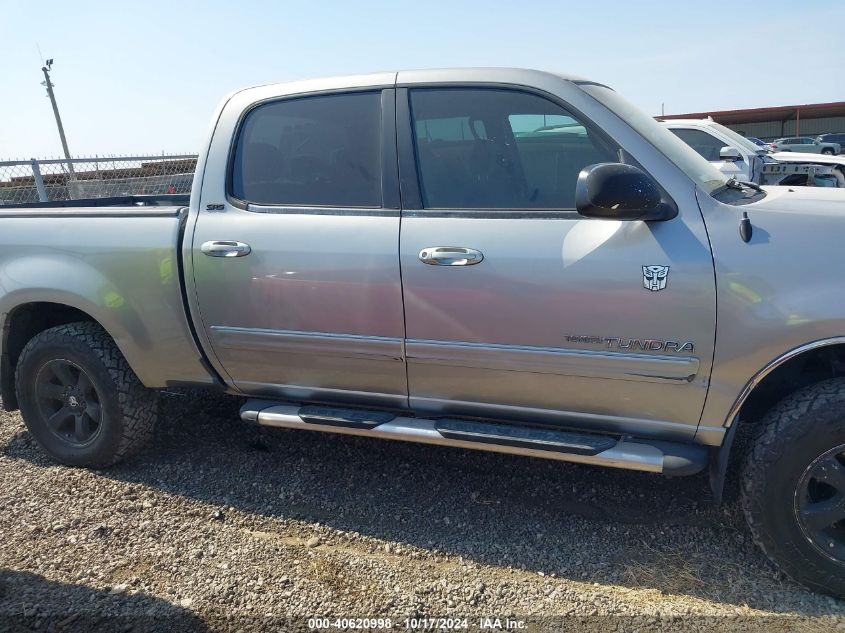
(418, 624)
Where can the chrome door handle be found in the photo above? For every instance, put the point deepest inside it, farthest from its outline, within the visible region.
(450, 256)
(224, 248)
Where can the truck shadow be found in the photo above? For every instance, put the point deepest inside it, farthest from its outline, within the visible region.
(29, 602)
(587, 524)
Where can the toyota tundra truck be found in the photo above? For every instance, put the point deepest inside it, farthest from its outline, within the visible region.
(494, 259)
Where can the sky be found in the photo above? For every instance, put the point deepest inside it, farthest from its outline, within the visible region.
(144, 77)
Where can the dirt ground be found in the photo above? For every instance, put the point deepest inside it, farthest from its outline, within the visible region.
(221, 526)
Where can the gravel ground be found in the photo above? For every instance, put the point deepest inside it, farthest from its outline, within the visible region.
(222, 526)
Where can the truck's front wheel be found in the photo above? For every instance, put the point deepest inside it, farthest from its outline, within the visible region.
(80, 399)
(793, 489)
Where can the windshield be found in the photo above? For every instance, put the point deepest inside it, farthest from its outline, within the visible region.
(687, 159)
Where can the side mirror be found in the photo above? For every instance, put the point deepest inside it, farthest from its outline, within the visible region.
(730, 154)
(615, 191)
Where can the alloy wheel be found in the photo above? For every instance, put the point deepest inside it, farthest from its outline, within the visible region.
(68, 402)
(820, 503)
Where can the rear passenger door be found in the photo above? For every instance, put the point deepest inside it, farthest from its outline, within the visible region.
(296, 262)
(518, 307)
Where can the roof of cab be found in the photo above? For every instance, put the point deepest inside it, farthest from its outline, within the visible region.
(422, 76)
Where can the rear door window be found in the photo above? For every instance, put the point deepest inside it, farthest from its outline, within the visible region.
(486, 148)
(311, 151)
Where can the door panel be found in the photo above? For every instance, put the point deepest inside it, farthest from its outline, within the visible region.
(527, 326)
(314, 310)
(557, 322)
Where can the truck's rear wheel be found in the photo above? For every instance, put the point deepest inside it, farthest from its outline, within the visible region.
(793, 489)
(79, 398)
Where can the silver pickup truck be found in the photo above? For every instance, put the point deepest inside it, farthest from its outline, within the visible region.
(495, 259)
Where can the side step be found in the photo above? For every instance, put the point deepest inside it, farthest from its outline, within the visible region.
(349, 418)
(653, 456)
(524, 437)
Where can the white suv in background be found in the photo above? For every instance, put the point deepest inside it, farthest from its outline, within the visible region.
(738, 157)
(732, 153)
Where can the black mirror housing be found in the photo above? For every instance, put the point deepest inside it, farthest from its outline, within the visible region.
(615, 191)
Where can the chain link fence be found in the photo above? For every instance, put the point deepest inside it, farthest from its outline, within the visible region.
(78, 178)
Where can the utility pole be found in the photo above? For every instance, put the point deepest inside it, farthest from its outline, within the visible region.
(49, 84)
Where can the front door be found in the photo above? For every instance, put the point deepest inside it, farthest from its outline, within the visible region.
(516, 306)
(297, 274)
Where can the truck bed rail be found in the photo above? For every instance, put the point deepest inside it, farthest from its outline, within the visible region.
(161, 200)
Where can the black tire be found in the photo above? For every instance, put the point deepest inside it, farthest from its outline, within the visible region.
(798, 432)
(80, 399)
(828, 152)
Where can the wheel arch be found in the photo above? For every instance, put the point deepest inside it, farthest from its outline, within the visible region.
(796, 368)
(793, 370)
(27, 319)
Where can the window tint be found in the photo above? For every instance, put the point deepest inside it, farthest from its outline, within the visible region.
(499, 149)
(450, 129)
(705, 144)
(528, 124)
(323, 151)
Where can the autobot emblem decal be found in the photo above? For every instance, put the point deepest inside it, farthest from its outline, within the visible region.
(655, 277)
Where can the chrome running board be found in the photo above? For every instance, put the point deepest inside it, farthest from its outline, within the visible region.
(642, 455)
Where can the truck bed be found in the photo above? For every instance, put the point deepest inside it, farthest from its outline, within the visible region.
(117, 260)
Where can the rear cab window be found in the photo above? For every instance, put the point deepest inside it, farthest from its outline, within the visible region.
(322, 150)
